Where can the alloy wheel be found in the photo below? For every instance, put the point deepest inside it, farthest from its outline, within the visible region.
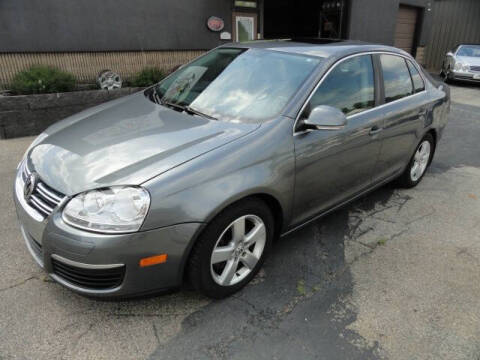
(238, 250)
(420, 160)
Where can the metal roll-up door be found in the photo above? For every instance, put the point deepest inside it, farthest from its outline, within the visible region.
(405, 29)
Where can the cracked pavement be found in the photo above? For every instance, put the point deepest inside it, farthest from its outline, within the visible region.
(394, 275)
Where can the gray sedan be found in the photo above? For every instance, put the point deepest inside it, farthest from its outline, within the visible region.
(192, 179)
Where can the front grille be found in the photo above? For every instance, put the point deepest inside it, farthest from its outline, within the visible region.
(466, 77)
(97, 279)
(475, 68)
(43, 198)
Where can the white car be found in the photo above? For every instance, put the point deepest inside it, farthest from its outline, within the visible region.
(463, 63)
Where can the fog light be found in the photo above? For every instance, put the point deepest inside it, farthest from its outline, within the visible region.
(153, 260)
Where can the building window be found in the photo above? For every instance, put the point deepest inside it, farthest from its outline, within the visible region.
(246, 4)
(332, 19)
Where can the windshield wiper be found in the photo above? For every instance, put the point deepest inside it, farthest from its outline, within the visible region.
(199, 113)
(156, 97)
(171, 104)
(186, 108)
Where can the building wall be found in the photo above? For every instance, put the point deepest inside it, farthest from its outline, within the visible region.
(375, 20)
(454, 22)
(109, 25)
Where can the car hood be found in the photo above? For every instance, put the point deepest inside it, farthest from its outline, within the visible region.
(470, 60)
(124, 142)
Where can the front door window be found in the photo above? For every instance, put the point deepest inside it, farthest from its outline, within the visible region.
(349, 87)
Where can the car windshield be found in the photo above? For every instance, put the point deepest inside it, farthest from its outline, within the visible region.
(469, 50)
(233, 84)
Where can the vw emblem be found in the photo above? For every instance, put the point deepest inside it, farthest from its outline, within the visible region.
(29, 186)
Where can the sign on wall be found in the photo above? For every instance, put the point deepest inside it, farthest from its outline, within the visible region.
(225, 35)
(215, 23)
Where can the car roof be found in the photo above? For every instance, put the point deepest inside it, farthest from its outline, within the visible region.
(466, 44)
(324, 48)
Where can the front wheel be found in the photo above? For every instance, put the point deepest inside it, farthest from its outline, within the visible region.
(231, 249)
(445, 74)
(419, 163)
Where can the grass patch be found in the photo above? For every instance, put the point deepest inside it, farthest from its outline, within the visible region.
(301, 287)
(382, 241)
(41, 79)
(148, 76)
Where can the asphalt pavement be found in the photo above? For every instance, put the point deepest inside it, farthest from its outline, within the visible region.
(394, 275)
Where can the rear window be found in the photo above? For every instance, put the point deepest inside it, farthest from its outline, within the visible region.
(417, 80)
(396, 77)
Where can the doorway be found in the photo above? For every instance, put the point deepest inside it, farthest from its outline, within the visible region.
(244, 26)
(304, 19)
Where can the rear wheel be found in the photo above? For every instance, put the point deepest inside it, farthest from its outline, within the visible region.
(232, 249)
(419, 163)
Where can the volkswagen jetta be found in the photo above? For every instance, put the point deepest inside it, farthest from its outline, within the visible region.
(193, 178)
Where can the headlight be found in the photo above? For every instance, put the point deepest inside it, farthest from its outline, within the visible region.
(458, 66)
(117, 209)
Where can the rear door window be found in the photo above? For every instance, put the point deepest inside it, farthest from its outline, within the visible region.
(396, 77)
(417, 80)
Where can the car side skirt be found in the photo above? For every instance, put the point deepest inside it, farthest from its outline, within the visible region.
(342, 204)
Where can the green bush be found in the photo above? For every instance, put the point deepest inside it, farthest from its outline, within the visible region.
(147, 77)
(41, 79)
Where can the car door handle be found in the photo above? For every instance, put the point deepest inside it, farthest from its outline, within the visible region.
(374, 130)
(422, 112)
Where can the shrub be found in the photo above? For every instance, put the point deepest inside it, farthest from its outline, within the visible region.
(147, 77)
(40, 79)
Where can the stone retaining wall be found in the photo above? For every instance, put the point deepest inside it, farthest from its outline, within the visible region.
(26, 115)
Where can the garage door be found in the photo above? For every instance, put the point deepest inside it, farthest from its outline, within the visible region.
(405, 29)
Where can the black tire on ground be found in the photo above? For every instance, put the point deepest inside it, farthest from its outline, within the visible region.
(444, 75)
(405, 180)
(199, 267)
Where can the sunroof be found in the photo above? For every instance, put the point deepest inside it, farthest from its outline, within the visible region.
(313, 40)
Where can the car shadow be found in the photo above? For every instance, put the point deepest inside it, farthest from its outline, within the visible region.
(290, 310)
(464, 84)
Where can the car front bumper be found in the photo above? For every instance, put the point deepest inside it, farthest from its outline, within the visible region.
(466, 76)
(103, 265)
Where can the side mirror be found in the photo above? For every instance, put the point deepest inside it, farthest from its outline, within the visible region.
(324, 117)
(450, 53)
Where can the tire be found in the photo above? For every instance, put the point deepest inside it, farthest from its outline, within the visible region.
(445, 75)
(411, 177)
(219, 279)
